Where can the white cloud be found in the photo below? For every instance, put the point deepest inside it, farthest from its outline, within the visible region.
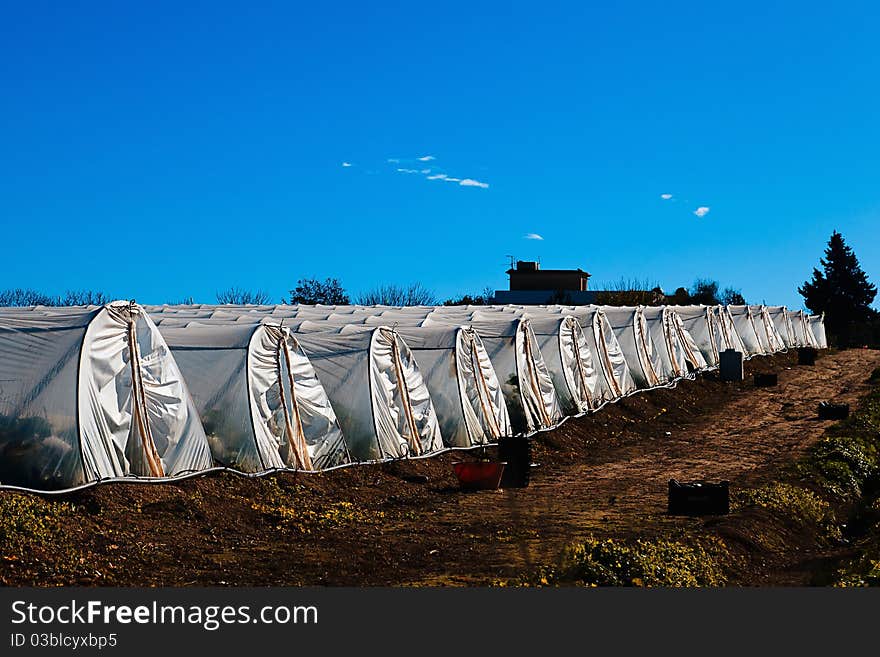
(346, 164)
(701, 211)
(425, 171)
(533, 236)
(393, 160)
(469, 182)
(408, 170)
(426, 158)
(666, 197)
(438, 176)
(448, 179)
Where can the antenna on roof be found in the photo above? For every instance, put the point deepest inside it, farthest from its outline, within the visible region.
(512, 261)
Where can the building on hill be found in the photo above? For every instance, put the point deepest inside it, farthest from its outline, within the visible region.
(529, 284)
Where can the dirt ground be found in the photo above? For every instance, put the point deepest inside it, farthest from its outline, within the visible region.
(407, 523)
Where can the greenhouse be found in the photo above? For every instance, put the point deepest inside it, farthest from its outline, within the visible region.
(92, 393)
(631, 330)
(261, 403)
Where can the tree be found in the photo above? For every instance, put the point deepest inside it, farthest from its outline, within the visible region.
(681, 297)
(241, 297)
(84, 298)
(25, 297)
(312, 291)
(704, 291)
(486, 297)
(731, 297)
(185, 301)
(840, 290)
(28, 297)
(398, 295)
(630, 292)
(560, 298)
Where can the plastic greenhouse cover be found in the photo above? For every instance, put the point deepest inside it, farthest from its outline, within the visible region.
(92, 393)
(239, 376)
(667, 342)
(746, 329)
(630, 328)
(817, 325)
(700, 322)
(377, 390)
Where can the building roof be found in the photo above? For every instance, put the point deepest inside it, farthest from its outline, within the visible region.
(532, 272)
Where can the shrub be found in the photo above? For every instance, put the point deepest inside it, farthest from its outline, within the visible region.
(655, 562)
(27, 519)
(289, 513)
(787, 499)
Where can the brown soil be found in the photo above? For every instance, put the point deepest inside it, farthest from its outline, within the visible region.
(407, 523)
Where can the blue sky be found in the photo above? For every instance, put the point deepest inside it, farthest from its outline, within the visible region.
(162, 151)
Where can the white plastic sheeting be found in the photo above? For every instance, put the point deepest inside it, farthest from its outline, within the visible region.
(569, 360)
(631, 330)
(385, 412)
(817, 326)
(747, 329)
(664, 332)
(803, 335)
(240, 377)
(377, 391)
(702, 325)
(728, 336)
(515, 351)
(464, 387)
(768, 336)
(616, 380)
(781, 319)
(528, 388)
(462, 381)
(92, 393)
(693, 355)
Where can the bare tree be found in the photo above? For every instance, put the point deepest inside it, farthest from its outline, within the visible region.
(398, 295)
(240, 297)
(84, 298)
(185, 301)
(25, 297)
(631, 292)
(28, 297)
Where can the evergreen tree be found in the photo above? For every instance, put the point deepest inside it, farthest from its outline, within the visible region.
(841, 291)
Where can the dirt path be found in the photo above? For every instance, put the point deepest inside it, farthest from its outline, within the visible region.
(622, 490)
(406, 523)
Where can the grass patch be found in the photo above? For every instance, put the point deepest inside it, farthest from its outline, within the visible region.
(34, 543)
(28, 520)
(643, 562)
(288, 513)
(841, 464)
(796, 502)
(864, 571)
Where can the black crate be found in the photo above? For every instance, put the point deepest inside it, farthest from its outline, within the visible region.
(831, 411)
(764, 380)
(698, 498)
(516, 451)
(807, 355)
(730, 365)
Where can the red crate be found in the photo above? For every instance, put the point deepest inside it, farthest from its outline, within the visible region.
(479, 475)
